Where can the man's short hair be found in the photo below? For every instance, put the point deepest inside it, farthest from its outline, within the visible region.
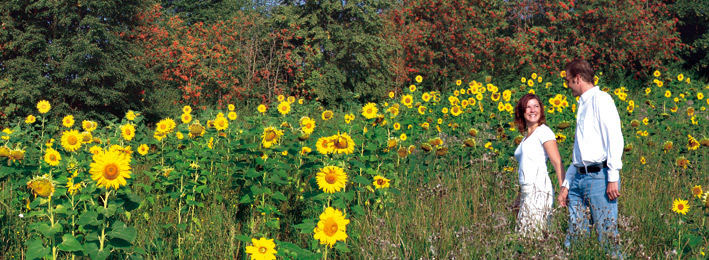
(580, 67)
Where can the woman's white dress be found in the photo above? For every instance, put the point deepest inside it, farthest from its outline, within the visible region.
(537, 193)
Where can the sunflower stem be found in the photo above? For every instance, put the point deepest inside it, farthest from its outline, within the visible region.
(102, 238)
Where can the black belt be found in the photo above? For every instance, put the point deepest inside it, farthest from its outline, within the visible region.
(592, 168)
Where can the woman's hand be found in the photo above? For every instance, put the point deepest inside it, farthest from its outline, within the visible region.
(563, 196)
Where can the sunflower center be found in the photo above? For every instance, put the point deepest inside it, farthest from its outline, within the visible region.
(380, 182)
(163, 126)
(72, 140)
(110, 171)
(309, 125)
(52, 157)
(680, 206)
(330, 227)
(331, 177)
(341, 143)
(262, 250)
(128, 132)
(369, 111)
(270, 135)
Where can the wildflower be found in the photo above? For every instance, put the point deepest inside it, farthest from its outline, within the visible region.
(697, 191)
(262, 249)
(43, 106)
(680, 206)
(110, 169)
(370, 110)
(30, 119)
(41, 186)
(331, 179)
(332, 227)
(380, 182)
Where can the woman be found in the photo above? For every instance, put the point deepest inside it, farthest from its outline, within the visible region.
(539, 143)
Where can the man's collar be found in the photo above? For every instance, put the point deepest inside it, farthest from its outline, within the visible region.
(589, 93)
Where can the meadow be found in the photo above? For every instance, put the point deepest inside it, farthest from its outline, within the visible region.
(422, 174)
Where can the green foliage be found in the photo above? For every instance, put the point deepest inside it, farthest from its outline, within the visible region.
(346, 52)
(71, 53)
(694, 30)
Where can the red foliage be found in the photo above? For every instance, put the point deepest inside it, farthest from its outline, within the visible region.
(443, 37)
(216, 62)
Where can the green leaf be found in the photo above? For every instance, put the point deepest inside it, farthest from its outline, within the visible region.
(306, 227)
(342, 247)
(287, 248)
(36, 250)
(70, 244)
(121, 231)
(88, 218)
(279, 196)
(243, 238)
(245, 199)
(362, 180)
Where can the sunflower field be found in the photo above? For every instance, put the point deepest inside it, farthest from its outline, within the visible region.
(421, 174)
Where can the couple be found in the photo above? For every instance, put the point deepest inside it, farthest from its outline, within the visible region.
(592, 181)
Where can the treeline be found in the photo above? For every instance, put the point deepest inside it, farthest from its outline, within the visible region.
(100, 58)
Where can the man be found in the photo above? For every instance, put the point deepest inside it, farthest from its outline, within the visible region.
(592, 182)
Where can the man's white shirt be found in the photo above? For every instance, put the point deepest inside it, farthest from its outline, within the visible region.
(598, 135)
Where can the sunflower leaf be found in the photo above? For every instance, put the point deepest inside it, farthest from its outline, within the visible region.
(36, 250)
(70, 244)
(121, 231)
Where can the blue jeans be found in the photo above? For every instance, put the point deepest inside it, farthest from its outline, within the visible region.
(587, 193)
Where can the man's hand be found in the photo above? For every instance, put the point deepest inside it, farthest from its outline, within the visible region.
(563, 196)
(612, 190)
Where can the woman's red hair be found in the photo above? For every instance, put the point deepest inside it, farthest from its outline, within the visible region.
(521, 107)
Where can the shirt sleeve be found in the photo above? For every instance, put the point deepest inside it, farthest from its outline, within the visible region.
(570, 173)
(611, 136)
(546, 134)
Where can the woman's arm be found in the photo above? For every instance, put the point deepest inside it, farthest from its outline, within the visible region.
(553, 152)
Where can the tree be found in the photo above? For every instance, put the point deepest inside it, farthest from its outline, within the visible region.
(71, 53)
(345, 53)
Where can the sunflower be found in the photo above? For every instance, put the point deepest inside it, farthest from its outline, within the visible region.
(682, 162)
(349, 118)
(41, 186)
(231, 107)
(186, 118)
(221, 123)
(284, 108)
(407, 100)
(186, 109)
(143, 149)
(324, 145)
(130, 115)
(391, 94)
(370, 110)
(381, 182)
(692, 143)
(412, 88)
(43, 106)
(342, 143)
(196, 129)
(680, 206)
(110, 169)
(419, 78)
(262, 108)
(68, 121)
(456, 111)
(128, 131)
(307, 124)
(71, 140)
(305, 150)
(697, 191)
(291, 99)
(326, 115)
(332, 227)
(270, 136)
(403, 137)
(30, 119)
(232, 116)
(495, 96)
(165, 126)
(680, 77)
(88, 125)
(394, 110)
(331, 179)
(426, 97)
(52, 157)
(262, 249)
(422, 110)
(657, 73)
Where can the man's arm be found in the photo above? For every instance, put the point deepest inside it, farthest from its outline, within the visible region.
(612, 138)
